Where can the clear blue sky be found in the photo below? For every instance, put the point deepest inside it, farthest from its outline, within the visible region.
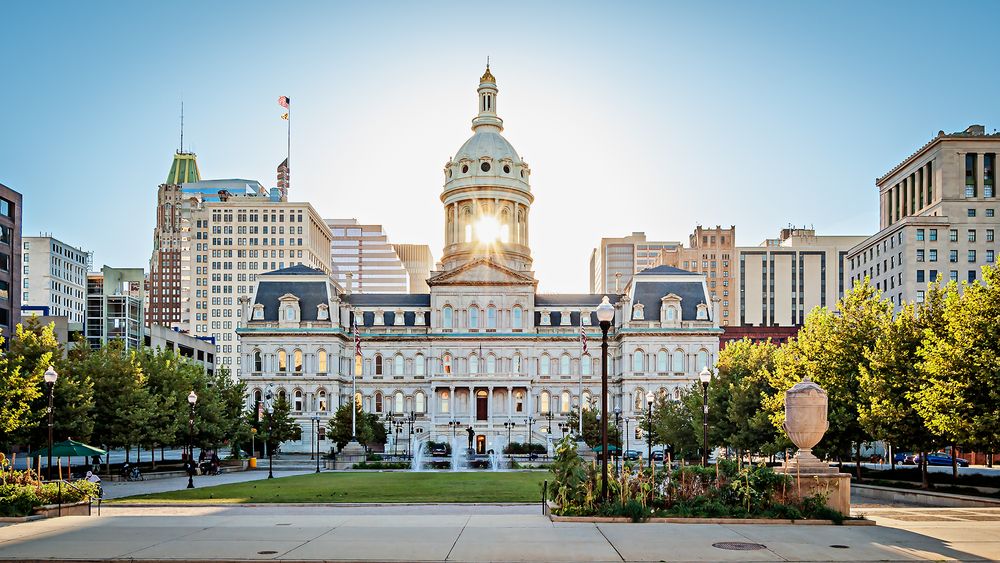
(634, 117)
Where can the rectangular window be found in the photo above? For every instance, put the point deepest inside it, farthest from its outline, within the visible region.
(972, 276)
(990, 212)
(933, 275)
(953, 235)
(920, 296)
(972, 256)
(933, 234)
(953, 275)
(989, 256)
(920, 254)
(972, 212)
(989, 235)
(972, 235)
(920, 234)
(970, 174)
(920, 276)
(933, 255)
(953, 256)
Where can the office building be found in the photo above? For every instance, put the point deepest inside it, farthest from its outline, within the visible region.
(938, 217)
(115, 307)
(364, 252)
(11, 270)
(200, 350)
(616, 260)
(712, 252)
(418, 263)
(57, 277)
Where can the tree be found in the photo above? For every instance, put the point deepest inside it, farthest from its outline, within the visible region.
(122, 405)
(831, 349)
(369, 429)
(18, 389)
(592, 427)
(677, 424)
(736, 415)
(278, 426)
(961, 395)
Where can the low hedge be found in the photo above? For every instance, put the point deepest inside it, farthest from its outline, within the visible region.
(382, 465)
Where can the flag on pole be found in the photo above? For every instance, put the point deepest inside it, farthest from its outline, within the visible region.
(357, 345)
(583, 338)
(284, 116)
(283, 101)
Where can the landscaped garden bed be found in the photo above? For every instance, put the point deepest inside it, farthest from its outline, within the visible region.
(726, 492)
(23, 494)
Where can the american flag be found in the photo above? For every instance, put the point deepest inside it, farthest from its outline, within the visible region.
(283, 101)
(583, 338)
(357, 337)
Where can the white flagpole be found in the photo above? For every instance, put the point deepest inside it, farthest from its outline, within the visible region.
(582, 335)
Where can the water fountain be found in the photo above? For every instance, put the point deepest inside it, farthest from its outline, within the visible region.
(419, 451)
(459, 457)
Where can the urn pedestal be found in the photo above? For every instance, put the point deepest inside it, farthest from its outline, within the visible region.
(806, 407)
(351, 453)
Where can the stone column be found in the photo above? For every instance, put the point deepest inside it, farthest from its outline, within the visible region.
(510, 401)
(490, 411)
(452, 404)
(980, 172)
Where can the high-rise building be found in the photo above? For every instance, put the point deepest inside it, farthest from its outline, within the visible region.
(115, 301)
(284, 178)
(418, 262)
(364, 252)
(228, 240)
(57, 278)
(938, 217)
(10, 261)
(616, 260)
(712, 252)
(782, 279)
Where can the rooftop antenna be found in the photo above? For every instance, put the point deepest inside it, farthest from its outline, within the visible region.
(182, 126)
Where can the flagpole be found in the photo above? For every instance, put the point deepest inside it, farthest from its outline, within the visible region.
(583, 338)
(288, 153)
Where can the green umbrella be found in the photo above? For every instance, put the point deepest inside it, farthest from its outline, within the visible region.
(70, 448)
(611, 448)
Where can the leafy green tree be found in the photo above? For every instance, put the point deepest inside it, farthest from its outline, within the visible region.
(961, 395)
(278, 426)
(19, 388)
(370, 430)
(122, 405)
(737, 416)
(831, 348)
(168, 382)
(592, 426)
(677, 423)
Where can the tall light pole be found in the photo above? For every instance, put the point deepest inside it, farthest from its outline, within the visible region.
(706, 377)
(316, 434)
(50, 379)
(410, 420)
(270, 450)
(192, 399)
(627, 419)
(649, 427)
(618, 422)
(509, 425)
(605, 314)
(530, 422)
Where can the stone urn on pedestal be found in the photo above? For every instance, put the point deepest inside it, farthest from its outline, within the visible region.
(806, 406)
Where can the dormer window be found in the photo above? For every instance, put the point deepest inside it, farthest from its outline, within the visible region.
(322, 312)
(288, 310)
(671, 313)
(289, 314)
(565, 320)
(379, 318)
(702, 312)
(585, 318)
(637, 313)
(399, 320)
(546, 319)
(258, 312)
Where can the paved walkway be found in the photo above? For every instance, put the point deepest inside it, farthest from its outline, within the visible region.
(484, 533)
(119, 489)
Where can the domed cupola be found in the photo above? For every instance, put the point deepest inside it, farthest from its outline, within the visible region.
(486, 192)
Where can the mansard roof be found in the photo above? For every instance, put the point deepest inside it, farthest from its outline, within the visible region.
(310, 293)
(296, 270)
(569, 299)
(666, 270)
(388, 299)
(650, 295)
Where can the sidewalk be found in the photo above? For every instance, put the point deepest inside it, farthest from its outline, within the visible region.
(485, 533)
(119, 489)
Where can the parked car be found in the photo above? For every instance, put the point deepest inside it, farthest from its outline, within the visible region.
(632, 455)
(941, 458)
(439, 450)
(657, 455)
(903, 458)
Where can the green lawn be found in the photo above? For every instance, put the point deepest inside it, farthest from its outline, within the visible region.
(401, 486)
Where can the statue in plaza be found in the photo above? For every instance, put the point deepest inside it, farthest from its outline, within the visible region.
(472, 435)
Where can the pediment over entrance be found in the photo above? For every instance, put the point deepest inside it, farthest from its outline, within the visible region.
(482, 271)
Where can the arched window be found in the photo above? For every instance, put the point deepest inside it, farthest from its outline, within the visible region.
(640, 401)
(586, 400)
(444, 401)
(321, 361)
(282, 395)
(586, 365)
(378, 364)
(473, 364)
(448, 316)
(702, 360)
(257, 397)
(564, 365)
(419, 404)
(446, 363)
(519, 401)
(282, 361)
(418, 365)
(378, 401)
(289, 314)
(491, 317)
(661, 361)
(637, 361)
(491, 364)
(298, 401)
(473, 317)
(671, 314)
(515, 363)
(258, 361)
(397, 405)
(544, 405)
(517, 317)
(543, 365)
(321, 399)
(397, 365)
(297, 355)
(564, 402)
(677, 362)
(357, 399)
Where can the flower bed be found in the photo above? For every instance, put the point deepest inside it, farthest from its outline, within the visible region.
(21, 493)
(726, 490)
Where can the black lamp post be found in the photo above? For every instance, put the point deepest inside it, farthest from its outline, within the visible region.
(618, 425)
(509, 425)
(706, 377)
(270, 450)
(50, 380)
(454, 426)
(564, 428)
(548, 427)
(192, 399)
(316, 433)
(605, 314)
(399, 429)
(649, 427)
(409, 433)
(625, 448)
(530, 422)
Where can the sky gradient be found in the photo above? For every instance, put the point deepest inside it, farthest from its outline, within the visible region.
(647, 117)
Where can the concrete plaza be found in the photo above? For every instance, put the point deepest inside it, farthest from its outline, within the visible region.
(483, 533)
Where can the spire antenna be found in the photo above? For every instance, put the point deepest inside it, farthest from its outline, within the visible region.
(182, 126)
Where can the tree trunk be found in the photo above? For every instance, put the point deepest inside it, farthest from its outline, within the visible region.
(152, 455)
(925, 480)
(857, 456)
(107, 461)
(954, 463)
(128, 451)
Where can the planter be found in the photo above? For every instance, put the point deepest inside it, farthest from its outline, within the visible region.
(81, 508)
(550, 506)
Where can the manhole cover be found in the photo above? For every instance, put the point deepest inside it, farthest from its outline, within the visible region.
(268, 552)
(739, 545)
(838, 546)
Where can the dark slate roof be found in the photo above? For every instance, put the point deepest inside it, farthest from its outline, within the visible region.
(663, 270)
(650, 293)
(296, 270)
(570, 299)
(555, 319)
(388, 299)
(367, 318)
(310, 294)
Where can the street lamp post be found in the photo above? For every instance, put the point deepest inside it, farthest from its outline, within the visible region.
(530, 422)
(509, 425)
(649, 427)
(192, 399)
(270, 450)
(564, 428)
(316, 434)
(395, 444)
(410, 420)
(618, 425)
(706, 377)
(50, 379)
(454, 426)
(627, 419)
(605, 314)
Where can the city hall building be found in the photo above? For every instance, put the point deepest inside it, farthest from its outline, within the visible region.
(482, 349)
